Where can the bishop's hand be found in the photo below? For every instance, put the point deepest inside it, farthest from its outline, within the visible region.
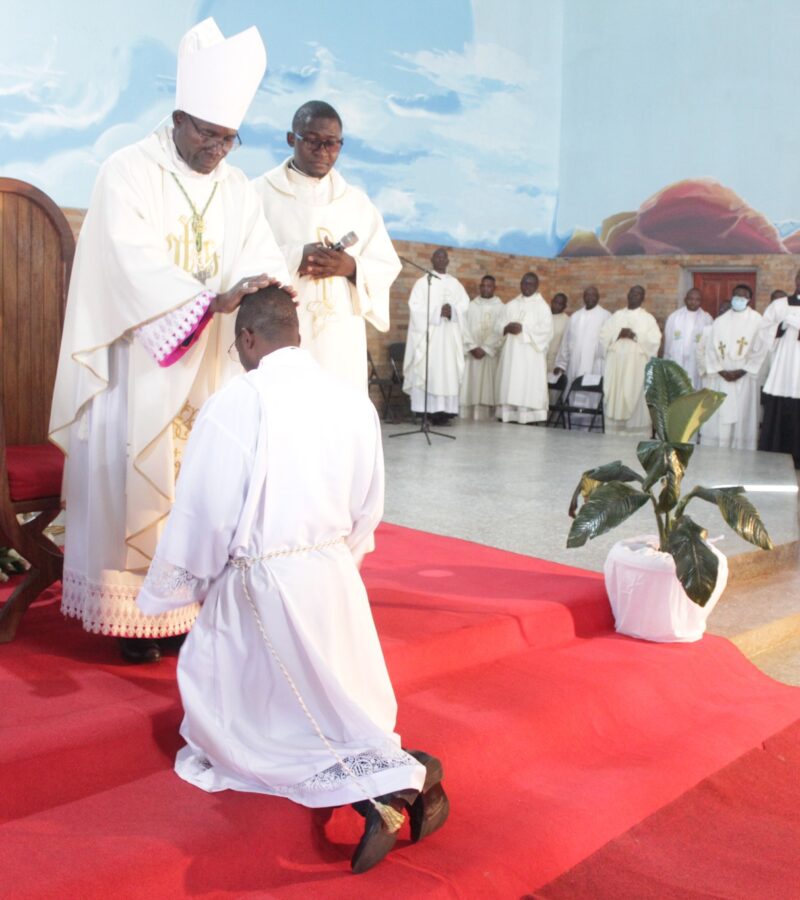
(478, 352)
(627, 334)
(228, 301)
(446, 311)
(513, 328)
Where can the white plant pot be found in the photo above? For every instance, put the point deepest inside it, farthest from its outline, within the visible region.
(646, 597)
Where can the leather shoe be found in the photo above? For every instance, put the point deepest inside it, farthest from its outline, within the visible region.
(377, 840)
(139, 650)
(431, 808)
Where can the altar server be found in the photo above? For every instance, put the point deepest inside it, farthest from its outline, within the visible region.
(174, 237)
(522, 388)
(629, 339)
(580, 352)
(780, 429)
(311, 208)
(558, 307)
(682, 334)
(482, 340)
(283, 682)
(729, 357)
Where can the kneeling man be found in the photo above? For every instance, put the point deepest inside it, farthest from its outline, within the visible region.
(283, 681)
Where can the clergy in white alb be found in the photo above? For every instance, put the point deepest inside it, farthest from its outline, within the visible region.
(283, 682)
(558, 306)
(527, 325)
(628, 340)
(780, 429)
(482, 341)
(310, 208)
(729, 357)
(173, 238)
(580, 353)
(682, 333)
(448, 309)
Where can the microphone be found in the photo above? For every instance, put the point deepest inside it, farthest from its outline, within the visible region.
(347, 241)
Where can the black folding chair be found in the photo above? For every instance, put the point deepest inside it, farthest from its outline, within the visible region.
(385, 384)
(559, 389)
(571, 408)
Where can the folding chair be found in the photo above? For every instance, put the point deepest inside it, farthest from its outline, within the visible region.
(559, 388)
(385, 384)
(572, 408)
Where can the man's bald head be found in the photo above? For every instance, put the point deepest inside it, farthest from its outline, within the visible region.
(266, 321)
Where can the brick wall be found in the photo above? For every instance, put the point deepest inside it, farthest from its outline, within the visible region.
(666, 278)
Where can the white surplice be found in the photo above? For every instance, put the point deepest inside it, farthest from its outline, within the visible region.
(481, 330)
(304, 210)
(580, 354)
(279, 494)
(121, 418)
(560, 323)
(446, 351)
(522, 389)
(783, 379)
(682, 332)
(733, 341)
(623, 382)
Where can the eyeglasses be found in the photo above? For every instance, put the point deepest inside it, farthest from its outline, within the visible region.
(315, 144)
(233, 351)
(229, 142)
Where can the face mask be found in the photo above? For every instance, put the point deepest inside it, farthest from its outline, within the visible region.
(739, 304)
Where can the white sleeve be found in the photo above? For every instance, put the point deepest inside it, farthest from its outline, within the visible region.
(164, 335)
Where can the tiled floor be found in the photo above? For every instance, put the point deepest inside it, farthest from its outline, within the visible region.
(509, 486)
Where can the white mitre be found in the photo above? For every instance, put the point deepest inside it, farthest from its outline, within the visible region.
(218, 77)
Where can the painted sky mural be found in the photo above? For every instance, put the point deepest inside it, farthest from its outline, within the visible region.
(517, 125)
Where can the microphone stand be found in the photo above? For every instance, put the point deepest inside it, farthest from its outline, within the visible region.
(424, 427)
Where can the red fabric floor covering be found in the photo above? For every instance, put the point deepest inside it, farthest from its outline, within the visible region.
(557, 737)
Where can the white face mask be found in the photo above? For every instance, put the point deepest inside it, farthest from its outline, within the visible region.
(739, 304)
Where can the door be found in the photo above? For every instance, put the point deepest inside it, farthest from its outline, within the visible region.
(717, 287)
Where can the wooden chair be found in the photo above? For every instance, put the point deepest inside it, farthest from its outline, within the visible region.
(36, 252)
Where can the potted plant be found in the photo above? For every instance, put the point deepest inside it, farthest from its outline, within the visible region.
(663, 587)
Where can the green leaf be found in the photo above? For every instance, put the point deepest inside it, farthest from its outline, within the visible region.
(695, 564)
(592, 478)
(667, 461)
(687, 413)
(738, 512)
(608, 506)
(664, 382)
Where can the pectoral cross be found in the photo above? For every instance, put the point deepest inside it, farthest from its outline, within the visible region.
(742, 342)
(721, 350)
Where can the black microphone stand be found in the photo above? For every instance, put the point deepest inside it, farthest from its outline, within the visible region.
(424, 427)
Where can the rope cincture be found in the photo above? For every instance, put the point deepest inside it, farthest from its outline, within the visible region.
(392, 819)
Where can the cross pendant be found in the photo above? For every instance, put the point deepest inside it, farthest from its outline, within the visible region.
(721, 349)
(742, 343)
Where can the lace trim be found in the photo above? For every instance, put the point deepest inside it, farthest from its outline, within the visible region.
(162, 336)
(174, 583)
(361, 765)
(110, 609)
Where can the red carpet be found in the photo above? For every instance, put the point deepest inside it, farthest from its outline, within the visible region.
(557, 735)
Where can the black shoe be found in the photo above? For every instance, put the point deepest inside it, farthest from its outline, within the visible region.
(139, 650)
(173, 642)
(431, 808)
(377, 840)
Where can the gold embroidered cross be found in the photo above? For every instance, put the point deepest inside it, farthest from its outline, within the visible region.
(721, 349)
(742, 342)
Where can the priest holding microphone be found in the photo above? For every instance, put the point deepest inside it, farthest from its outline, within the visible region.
(336, 246)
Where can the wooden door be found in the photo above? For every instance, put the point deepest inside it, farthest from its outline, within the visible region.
(717, 288)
